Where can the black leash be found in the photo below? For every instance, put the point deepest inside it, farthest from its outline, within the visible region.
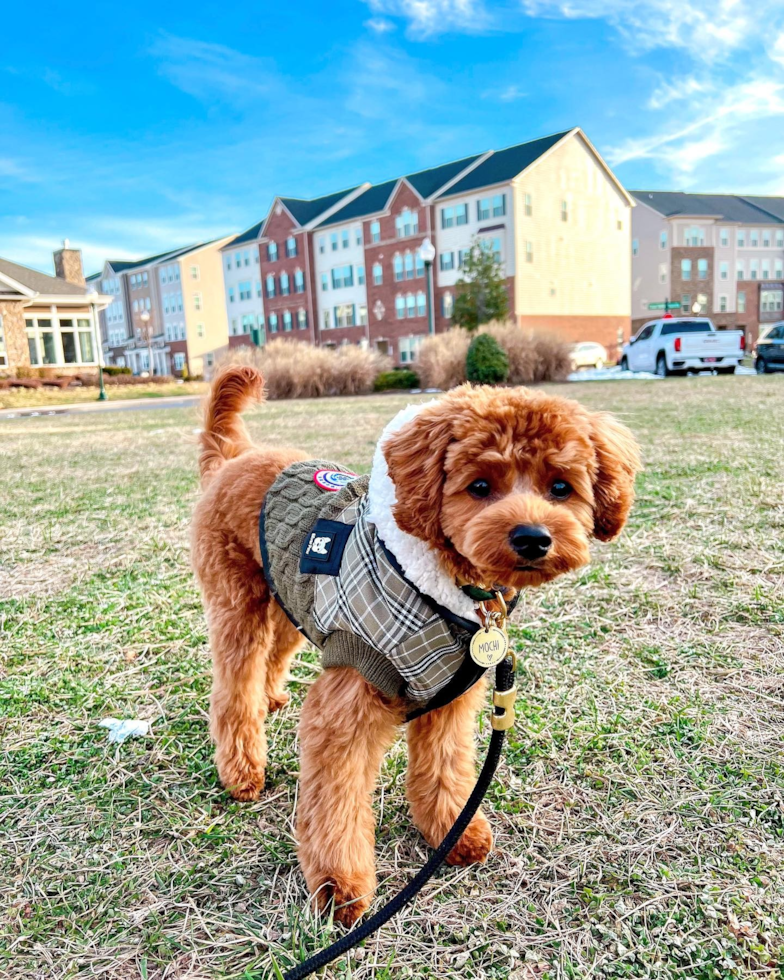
(502, 719)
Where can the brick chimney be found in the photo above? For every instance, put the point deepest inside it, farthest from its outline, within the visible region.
(68, 264)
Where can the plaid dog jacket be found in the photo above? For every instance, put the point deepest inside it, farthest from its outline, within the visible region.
(345, 591)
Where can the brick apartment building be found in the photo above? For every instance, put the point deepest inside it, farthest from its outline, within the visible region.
(167, 308)
(720, 255)
(346, 268)
(49, 324)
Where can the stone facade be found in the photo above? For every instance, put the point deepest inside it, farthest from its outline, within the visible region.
(68, 265)
(17, 353)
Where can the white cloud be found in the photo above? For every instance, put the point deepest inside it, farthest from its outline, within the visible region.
(380, 25)
(428, 17)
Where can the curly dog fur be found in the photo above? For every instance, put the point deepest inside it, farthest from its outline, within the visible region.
(520, 442)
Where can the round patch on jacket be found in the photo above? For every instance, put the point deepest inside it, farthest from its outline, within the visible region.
(332, 479)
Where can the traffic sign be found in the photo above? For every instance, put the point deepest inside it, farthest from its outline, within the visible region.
(664, 306)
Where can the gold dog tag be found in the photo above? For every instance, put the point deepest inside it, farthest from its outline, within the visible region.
(489, 646)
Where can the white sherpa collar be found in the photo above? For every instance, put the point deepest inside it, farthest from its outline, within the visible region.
(417, 558)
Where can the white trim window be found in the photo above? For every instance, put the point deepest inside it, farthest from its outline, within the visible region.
(722, 304)
(407, 223)
(724, 270)
(662, 239)
(375, 232)
(455, 214)
(694, 236)
(59, 340)
(197, 301)
(408, 349)
(447, 305)
(378, 274)
(740, 272)
(635, 247)
(724, 237)
(195, 273)
(662, 272)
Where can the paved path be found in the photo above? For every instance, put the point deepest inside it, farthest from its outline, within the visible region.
(118, 405)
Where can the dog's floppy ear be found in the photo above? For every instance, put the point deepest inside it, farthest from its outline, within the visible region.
(618, 460)
(415, 456)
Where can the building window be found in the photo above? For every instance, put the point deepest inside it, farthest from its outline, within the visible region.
(284, 284)
(447, 305)
(199, 329)
(333, 241)
(741, 301)
(564, 210)
(724, 270)
(287, 322)
(272, 252)
(493, 245)
(663, 239)
(291, 247)
(238, 260)
(686, 269)
(662, 272)
(739, 271)
(342, 276)
(248, 322)
(246, 257)
(420, 264)
(363, 317)
(179, 361)
(344, 315)
(360, 275)
(695, 236)
(344, 238)
(724, 237)
(741, 238)
(322, 244)
(270, 285)
(245, 290)
(358, 235)
(378, 274)
(778, 272)
(635, 246)
(258, 288)
(702, 268)
(410, 306)
(324, 282)
(197, 305)
(421, 304)
(66, 340)
(195, 272)
(771, 300)
(375, 231)
(446, 261)
(766, 268)
(722, 304)
(299, 281)
(397, 265)
(272, 322)
(528, 206)
(408, 265)
(754, 238)
(231, 299)
(400, 307)
(409, 349)
(327, 324)
(529, 251)
(754, 269)
(302, 320)
(407, 223)
(483, 209)
(780, 239)
(686, 303)
(766, 238)
(457, 214)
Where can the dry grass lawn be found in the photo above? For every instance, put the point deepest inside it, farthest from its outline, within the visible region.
(639, 810)
(54, 397)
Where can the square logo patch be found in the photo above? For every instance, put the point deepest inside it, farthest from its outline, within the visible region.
(323, 547)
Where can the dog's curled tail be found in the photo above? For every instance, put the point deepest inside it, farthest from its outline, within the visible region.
(224, 435)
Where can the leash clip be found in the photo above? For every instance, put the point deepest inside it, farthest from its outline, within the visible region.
(504, 700)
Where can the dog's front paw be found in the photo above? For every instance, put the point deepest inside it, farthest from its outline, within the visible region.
(475, 844)
(241, 777)
(351, 897)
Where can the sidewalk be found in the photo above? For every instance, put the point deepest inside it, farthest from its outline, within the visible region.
(113, 405)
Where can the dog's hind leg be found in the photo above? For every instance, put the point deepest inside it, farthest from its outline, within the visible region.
(346, 727)
(241, 637)
(287, 641)
(442, 773)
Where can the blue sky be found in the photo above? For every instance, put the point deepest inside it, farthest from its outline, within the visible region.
(135, 128)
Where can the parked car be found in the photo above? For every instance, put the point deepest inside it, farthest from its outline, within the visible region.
(769, 353)
(675, 346)
(588, 354)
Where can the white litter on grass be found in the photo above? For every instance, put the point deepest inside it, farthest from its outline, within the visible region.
(122, 728)
(612, 374)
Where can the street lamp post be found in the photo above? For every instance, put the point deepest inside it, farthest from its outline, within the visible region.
(145, 318)
(428, 253)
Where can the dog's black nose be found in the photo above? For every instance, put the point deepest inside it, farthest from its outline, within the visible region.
(530, 541)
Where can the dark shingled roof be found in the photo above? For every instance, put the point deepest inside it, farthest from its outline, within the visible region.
(427, 182)
(171, 254)
(730, 207)
(305, 211)
(247, 236)
(39, 282)
(502, 165)
(373, 200)
(773, 205)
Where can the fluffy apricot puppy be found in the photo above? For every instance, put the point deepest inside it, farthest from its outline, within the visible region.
(484, 488)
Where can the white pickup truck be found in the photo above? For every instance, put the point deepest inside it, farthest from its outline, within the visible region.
(674, 346)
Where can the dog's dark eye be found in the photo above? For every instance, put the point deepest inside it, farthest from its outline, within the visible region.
(479, 488)
(560, 490)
